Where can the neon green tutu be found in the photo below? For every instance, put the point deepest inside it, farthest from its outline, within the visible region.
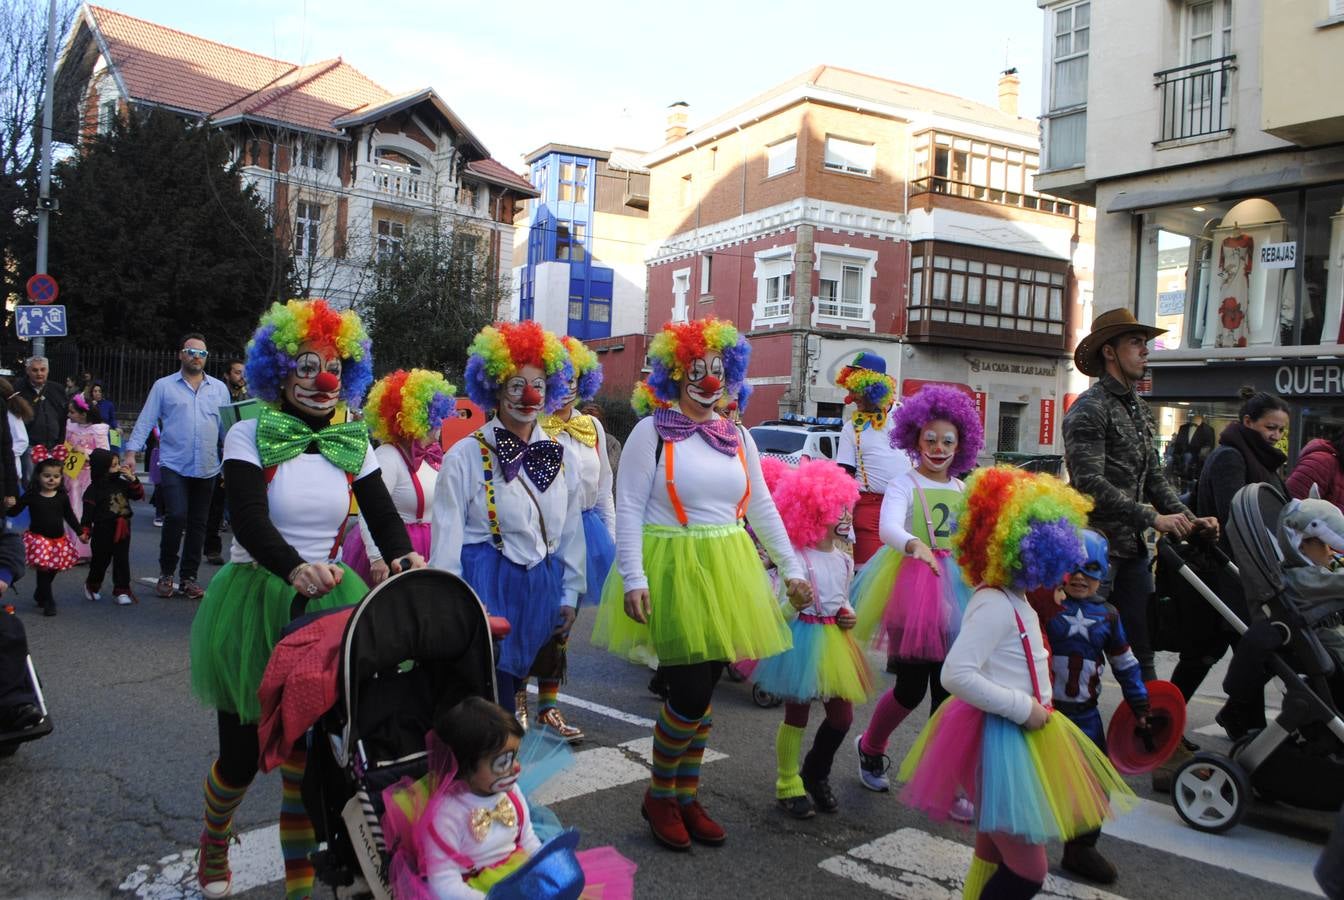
(710, 599)
(238, 623)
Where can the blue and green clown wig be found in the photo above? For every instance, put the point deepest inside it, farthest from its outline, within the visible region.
(500, 351)
(408, 406)
(286, 327)
(1020, 530)
(681, 343)
(587, 370)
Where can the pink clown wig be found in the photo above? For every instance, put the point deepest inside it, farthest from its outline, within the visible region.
(812, 498)
(772, 469)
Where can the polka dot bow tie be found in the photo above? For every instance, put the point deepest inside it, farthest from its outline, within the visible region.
(540, 459)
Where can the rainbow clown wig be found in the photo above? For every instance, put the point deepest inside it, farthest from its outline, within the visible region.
(501, 350)
(812, 498)
(643, 401)
(1020, 530)
(286, 327)
(940, 401)
(587, 370)
(408, 406)
(875, 388)
(681, 343)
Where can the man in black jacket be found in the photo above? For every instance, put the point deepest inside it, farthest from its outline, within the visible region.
(49, 408)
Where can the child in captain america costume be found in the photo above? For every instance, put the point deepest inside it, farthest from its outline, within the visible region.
(1084, 632)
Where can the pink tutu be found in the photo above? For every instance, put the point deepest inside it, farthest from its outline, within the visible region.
(924, 612)
(356, 557)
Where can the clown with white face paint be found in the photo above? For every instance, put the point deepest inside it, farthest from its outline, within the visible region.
(911, 594)
(507, 501)
(688, 585)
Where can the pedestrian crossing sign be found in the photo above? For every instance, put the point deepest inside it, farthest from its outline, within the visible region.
(40, 322)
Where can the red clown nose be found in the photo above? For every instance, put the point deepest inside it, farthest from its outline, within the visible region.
(531, 396)
(709, 384)
(327, 382)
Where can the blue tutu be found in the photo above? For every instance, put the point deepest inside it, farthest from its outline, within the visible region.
(601, 554)
(824, 664)
(529, 598)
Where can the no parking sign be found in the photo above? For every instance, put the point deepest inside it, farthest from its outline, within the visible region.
(43, 289)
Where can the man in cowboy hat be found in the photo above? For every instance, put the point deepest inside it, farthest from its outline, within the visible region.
(865, 449)
(1110, 455)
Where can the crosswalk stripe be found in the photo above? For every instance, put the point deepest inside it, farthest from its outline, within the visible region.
(916, 865)
(610, 712)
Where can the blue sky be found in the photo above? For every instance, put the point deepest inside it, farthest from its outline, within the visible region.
(601, 74)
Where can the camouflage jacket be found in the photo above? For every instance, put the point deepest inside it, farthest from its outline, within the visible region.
(1109, 452)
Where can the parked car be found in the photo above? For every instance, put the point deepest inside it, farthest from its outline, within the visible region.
(795, 438)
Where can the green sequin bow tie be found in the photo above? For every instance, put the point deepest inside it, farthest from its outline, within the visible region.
(281, 437)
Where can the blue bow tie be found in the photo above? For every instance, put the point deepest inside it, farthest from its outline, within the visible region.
(540, 459)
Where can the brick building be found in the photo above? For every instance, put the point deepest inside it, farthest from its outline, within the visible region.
(347, 168)
(841, 212)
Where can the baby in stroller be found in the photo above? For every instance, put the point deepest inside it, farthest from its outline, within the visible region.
(1310, 533)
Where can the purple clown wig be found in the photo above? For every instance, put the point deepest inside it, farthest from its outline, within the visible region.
(940, 401)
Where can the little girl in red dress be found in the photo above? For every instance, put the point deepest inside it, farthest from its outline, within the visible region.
(45, 544)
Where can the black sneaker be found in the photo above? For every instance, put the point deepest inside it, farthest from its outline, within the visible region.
(798, 807)
(1089, 863)
(872, 768)
(820, 791)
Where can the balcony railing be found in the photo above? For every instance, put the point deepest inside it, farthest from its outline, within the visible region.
(935, 184)
(401, 184)
(1195, 98)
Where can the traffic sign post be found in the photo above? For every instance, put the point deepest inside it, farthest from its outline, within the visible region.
(42, 288)
(37, 322)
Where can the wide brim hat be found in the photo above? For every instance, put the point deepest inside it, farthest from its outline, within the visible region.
(1108, 325)
(1134, 753)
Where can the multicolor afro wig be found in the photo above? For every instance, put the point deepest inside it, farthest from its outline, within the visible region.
(812, 498)
(643, 401)
(587, 369)
(681, 343)
(875, 388)
(940, 401)
(286, 327)
(1020, 530)
(501, 350)
(408, 406)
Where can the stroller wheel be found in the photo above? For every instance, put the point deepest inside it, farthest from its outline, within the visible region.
(764, 699)
(1210, 792)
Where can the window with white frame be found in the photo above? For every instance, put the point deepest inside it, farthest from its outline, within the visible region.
(390, 236)
(681, 287)
(706, 273)
(854, 157)
(774, 287)
(1208, 30)
(1336, 8)
(781, 157)
(1066, 122)
(307, 229)
(840, 293)
(107, 114)
(308, 151)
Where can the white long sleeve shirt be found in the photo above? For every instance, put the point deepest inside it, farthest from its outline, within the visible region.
(899, 505)
(830, 572)
(594, 468)
(397, 477)
(986, 665)
(710, 484)
(460, 513)
(452, 821)
(881, 462)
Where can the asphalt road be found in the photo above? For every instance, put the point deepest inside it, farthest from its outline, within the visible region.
(102, 806)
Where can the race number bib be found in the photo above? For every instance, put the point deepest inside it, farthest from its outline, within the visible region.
(74, 461)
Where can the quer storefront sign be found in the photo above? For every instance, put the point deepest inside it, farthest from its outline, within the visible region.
(1047, 436)
(1315, 380)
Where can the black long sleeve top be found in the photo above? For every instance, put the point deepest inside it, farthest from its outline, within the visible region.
(48, 515)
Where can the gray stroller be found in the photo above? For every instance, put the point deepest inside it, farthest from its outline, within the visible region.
(1298, 757)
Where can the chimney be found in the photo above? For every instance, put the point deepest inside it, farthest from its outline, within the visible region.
(678, 115)
(1009, 87)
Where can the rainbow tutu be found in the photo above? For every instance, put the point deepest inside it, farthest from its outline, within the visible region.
(906, 609)
(825, 663)
(1050, 784)
(710, 600)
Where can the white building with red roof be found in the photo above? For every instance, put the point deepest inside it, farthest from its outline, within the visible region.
(348, 168)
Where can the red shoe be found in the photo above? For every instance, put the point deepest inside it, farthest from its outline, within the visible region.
(664, 818)
(212, 868)
(701, 827)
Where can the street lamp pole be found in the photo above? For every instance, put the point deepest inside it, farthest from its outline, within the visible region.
(44, 187)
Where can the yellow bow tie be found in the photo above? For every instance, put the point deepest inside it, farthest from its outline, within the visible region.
(582, 428)
(877, 421)
(503, 813)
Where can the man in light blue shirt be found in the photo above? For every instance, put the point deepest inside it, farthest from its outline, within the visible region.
(187, 404)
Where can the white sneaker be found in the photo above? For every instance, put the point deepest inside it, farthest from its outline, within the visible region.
(91, 595)
(962, 811)
(125, 599)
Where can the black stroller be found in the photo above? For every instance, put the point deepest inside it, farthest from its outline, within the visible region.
(23, 708)
(1298, 758)
(418, 643)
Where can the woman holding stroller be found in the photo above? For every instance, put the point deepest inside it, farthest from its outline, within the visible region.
(1245, 455)
(291, 475)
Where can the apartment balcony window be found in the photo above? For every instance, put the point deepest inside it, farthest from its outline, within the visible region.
(391, 234)
(844, 287)
(781, 157)
(774, 287)
(853, 157)
(307, 229)
(1065, 122)
(977, 170)
(309, 152)
(961, 294)
(1196, 95)
(399, 175)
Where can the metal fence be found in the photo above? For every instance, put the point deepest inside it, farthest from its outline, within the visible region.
(1195, 98)
(127, 373)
